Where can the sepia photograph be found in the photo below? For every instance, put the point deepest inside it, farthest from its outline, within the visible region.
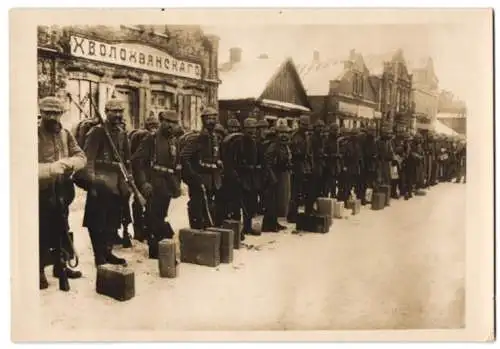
(253, 171)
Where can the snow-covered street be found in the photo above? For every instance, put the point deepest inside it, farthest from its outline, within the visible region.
(402, 267)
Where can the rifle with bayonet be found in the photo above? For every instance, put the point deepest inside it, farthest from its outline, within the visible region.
(126, 176)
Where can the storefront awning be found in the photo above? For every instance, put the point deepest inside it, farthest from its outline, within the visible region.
(356, 110)
(439, 127)
(283, 105)
(422, 126)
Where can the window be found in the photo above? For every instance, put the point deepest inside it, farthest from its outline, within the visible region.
(163, 100)
(82, 90)
(355, 84)
(190, 111)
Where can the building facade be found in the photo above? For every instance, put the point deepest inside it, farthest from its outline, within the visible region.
(394, 84)
(341, 91)
(452, 112)
(261, 87)
(151, 68)
(425, 90)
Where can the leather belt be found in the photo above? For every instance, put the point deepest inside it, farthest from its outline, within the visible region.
(251, 167)
(104, 162)
(207, 165)
(167, 169)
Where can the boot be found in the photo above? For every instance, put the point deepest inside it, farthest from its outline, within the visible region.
(112, 259)
(247, 229)
(153, 248)
(269, 226)
(72, 274)
(138, 232)
(281, 227)
(44, 284)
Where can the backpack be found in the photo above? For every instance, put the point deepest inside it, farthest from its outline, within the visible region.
(135, 138)
(186, 138)
(226, 145)
(81, 130)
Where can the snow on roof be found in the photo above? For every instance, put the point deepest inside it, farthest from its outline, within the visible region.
(443, 115)
(316, 76)
(247, 78)
(285, 105)
(375, 62)
(439, 127)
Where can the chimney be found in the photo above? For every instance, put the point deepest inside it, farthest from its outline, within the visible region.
(235, 55)
(316, 56)
(352, 54)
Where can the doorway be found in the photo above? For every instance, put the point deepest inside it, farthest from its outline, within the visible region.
(131, 98)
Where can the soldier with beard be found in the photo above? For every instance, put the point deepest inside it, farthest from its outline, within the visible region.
(157, 168)
(278, 161)
(370, 160)
(108, 188)
(303, 164)
(241, 171)
(58, 157)
(202, 169)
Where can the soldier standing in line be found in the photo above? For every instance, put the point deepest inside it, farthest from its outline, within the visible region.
(349, 176)
(360, 172)
(344, 180)
(108, 187)
(202, 169)
(386, 153)
(303, 164)
(151, 126)
(261, 173)
(420, 164)
(370, 160)
(333, 162)
(409, 166)
(462, 162)
(397, 176)
(319, 158)
(241, 167)
(58, 157)
(157, 168)
(278, 160)
(434, 150)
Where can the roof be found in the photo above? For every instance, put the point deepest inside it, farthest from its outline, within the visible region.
(375, 62)
(443, 115)
(316, 76)
(247, 78)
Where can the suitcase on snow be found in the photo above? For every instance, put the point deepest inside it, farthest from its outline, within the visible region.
(200, 247)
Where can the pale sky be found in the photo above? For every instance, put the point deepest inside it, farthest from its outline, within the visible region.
(451, 46)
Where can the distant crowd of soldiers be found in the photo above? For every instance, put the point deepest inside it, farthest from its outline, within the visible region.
(231, 173)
